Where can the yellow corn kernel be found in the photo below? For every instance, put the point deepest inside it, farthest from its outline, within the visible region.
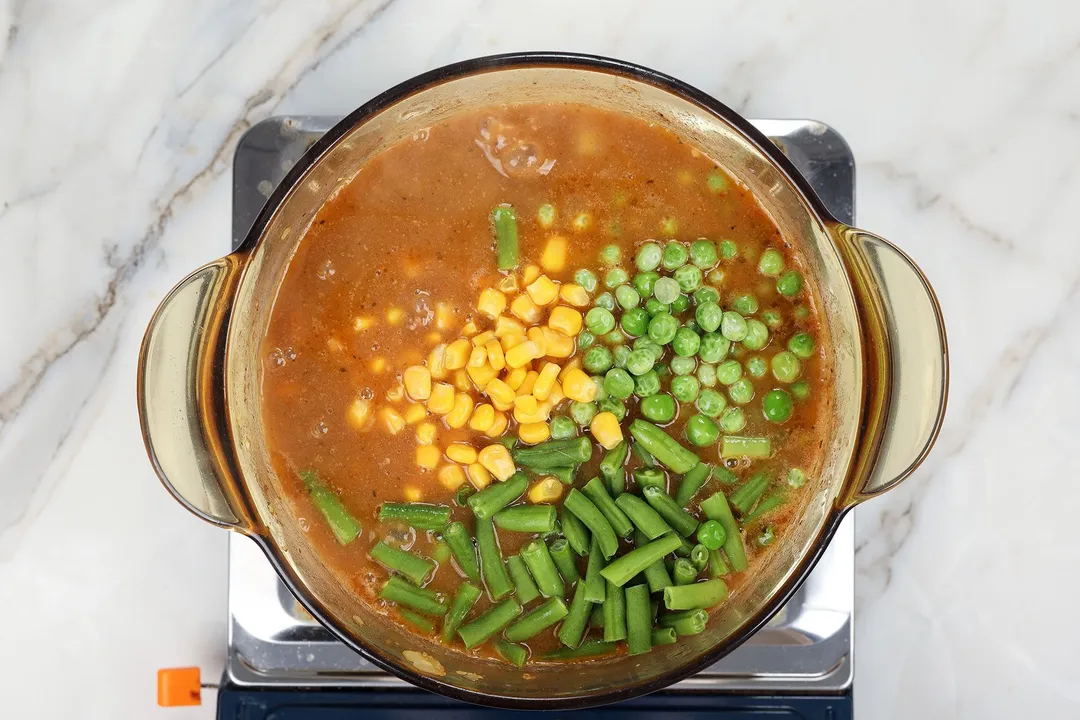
(477, 357)
(526, 387)
(522, 353)
(457, 354)
(574, 295)
(556, 395)
(557, 345)
(412, 493)
(495, 355)
(575, 363)
(363, 323)
(459, 414)
(501, 394)
(415, 413)
(396, 393)
(508, 326)
(529, 274)
(605, 428)
(545, 381)
(543, 291)
(481, 339)
(578, 386)
(491, 303)
(496, 459)
(508, 283)
(425, 433)
(444, 316)
(478, 476)
(528, 410)
(498, 426)
(533, 433)
(553, 259)
(481, 376)
(377, 365)
(482, 418)
(461, 381)
(436, 362)
(461, 453)
(442, 399)
(360, 413)
(392, 420)
(417, 382)
(395, 316)
(469, 329)
(515, 377)
(523, 307)
(545, 490)
(434, 337)
(509, 341)
(427, 457)
(536, 335)
(451, 477)
(565, 320)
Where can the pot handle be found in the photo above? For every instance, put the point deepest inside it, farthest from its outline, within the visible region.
(181, 395)
(912, 347)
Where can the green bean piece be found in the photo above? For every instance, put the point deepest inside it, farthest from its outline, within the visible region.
(641, 514)
(642, 454)
(440, 551)
(496, 496)
(691, 482)
(466, 596)
(585, 511)
(658, 408)
(663, 447)
(575, 531)
(621, 570)
(596, 615)
(507, 441)
(683, 522)
(716, 507)
(717, 566)
(404, 593)
(565, 475)
(421, 516)
(514, 654)
(342, 524)
(457, 538)
(526, 518)
(614, 613)
(463, 494)
(492, 568)
(525, 589)
(689, 622)
(413, 566)
(770, 503)
(491, 622)
(699, 595)
(755, 448)
(744, 499)
(589, 648)
(504, 226)
(594, 581)
(699, 557)
(552, 454)
(685, 548)
(538, 560)
(595, 491)
(614, 459)
(564, 560)
(683, 572)
(656, 575)
(417, 620)
(650, 477)
(663, 636)
(638, 620)
(537, 620)
(572, 629)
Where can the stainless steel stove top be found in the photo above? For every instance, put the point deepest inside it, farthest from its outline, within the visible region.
(806, 649)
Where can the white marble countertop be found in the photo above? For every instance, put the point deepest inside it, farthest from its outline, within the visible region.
(118, 125)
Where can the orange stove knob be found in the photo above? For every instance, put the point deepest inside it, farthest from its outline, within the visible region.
(179, 686)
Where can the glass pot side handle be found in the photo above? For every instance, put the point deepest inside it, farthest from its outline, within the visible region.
(181, 395)
(910, 347)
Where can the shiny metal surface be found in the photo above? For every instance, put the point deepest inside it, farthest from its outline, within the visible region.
(272, 641)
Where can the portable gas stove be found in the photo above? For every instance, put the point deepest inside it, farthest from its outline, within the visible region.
(284, 665)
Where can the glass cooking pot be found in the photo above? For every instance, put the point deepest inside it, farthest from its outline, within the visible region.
(199, 371)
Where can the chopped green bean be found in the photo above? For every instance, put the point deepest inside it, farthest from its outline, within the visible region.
(691, 482)
(717, 566)
(514, 654)
(504, 226)
(575, 531)
(642, 516)
(466, 596)
(413, 566)
(495, 497)
(542, 567)
(594, 581)
(417, 620)
(638, 620)
(564, 560)
(342, 524)
(715, 507)
(683, 522)
(538, 619)
(525, 589)
(526, 518)
(551, 454)
(749, 447)
(623, 569)
(689, 622)
(664, 636)
(595, 491)
(401, 591)
(461, 546)
(767, 505)
(421, 516)
(614, 613)
(663, 447)
(492, 567)
(683, 572)
(585, 511)
(491, 622)
(699, 595)
(572, 629)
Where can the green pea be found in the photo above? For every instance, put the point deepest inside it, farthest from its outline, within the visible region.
(562, 428)
(627, 297)
(655, 307)
(685, 388)
(703, 253)
(610, 255)
(801, 345)
(662, 328)
(680, 303)
(790, 283)
(708, 316)
(582, 413)
(615, 277)
(796, 478)
(666, 290)
(618, 383)
(586, 279)
(663, 370)
(706, 294)
(756, 366)
(701, 431)
(585, 340)
(644, 343)
(777, 406)
(605, 300)
(640, 362)
(706, 374)
(688, 277)
(686, 342)
(728, 249)
(619, 356)
(675, 255)
(644, 283)
(599, 321)
(615, 337)
(712, 534)
(635, 322)
(729, 372)
(801, 312)
(785, 367)
(745, 304)
(741, 391)
(711, 403)
(597, 360)
(659, 408)
(648, 257)
(732, 420)
(683, 365)
(800, 389)
(714, 347)
(716, 181)
(601, 393)
(771, 263)
(615, 406)
(732, 326)
(757, 335)
(716, 277)
(772, 319)
(647, 384)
